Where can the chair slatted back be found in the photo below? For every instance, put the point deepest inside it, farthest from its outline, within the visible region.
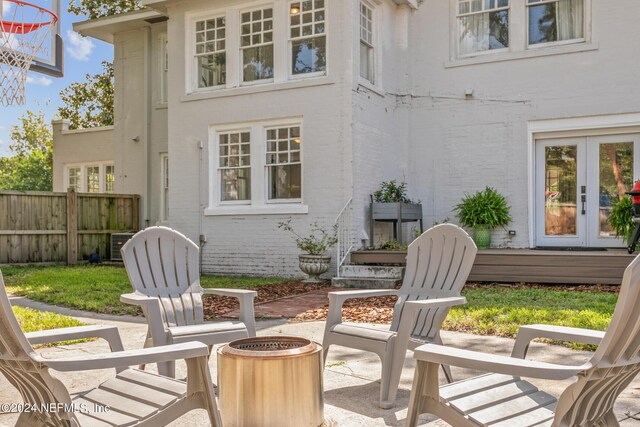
(438, 264)
(614, 365)
(164, 263)
(32, 379)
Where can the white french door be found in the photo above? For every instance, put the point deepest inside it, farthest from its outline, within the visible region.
(577, 182)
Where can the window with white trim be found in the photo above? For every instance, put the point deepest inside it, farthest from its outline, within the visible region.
(163, 68)
(109, 178)
(210, 55)
(91, 178)
(284, 166)
(553, 21)
(164, 187)
(366, 42)
(257, 166)
(74, 178)
(307, 36)
(235, 166)
(256, 44)
(483, 25)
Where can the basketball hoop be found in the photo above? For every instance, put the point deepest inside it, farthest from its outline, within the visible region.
(22, 33)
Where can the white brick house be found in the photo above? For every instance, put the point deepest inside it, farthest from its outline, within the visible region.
(275, 109)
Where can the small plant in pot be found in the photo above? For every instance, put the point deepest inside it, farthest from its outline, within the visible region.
(315, 261)
(483, 211)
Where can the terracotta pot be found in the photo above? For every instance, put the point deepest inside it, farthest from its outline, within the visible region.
(314, 266)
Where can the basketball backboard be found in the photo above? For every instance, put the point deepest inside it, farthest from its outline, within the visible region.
(50, 58)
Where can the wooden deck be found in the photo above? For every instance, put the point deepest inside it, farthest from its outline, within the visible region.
(530, 265)
(545, 266)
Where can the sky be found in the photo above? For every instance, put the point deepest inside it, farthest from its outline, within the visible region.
(82, 56)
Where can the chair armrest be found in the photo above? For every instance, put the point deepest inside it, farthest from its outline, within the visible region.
(245, 298)
(138, 299)
(527, 333)
(337, 299)
(108, 333)
(153, 313)
(493, 363)
(143, 356)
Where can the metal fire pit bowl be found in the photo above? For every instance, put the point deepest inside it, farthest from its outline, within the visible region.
(271, 382)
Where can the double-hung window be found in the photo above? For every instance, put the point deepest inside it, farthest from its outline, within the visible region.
(284, 167)
(256, 44)
(257, 167)
(366, 42)
(75, 178)
(483, 25)
(211, 57)
(307, 36)
(555, 20)
(91, 178)
(235, 166)
(109, 178)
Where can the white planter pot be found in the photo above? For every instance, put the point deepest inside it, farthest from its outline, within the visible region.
(314, 266)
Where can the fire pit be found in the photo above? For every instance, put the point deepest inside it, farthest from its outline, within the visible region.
(271, 381)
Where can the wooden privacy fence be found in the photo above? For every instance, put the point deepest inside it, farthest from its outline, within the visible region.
(40, 226)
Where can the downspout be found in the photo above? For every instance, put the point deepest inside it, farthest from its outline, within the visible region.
(149, 90)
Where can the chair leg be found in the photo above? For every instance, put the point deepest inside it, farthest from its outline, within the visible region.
(386, 400)
(325, 351)
(167, 369)
(413, 412)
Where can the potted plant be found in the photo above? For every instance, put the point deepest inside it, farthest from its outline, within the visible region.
(621, 218)
(315, 261)
(391, 204)
(483, 211)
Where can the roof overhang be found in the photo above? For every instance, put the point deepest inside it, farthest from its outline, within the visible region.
(104, 28)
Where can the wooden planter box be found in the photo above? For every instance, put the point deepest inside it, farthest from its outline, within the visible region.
(379, 257)
(396, 213)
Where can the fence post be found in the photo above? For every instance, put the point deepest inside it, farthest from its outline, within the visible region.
(72, 226)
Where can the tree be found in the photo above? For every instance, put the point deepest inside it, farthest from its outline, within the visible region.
(31, 166)
(90, 103)
(98, 8)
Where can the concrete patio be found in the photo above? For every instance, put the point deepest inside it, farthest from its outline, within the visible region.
(350, 380)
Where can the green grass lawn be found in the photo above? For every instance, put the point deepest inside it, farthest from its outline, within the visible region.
(95, 288)
(495, 310)
(31, 320)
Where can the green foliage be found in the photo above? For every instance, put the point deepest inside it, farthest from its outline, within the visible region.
(621, 218)
(31, 320)
(90, 103)
(30, 169)
(392, 245)
(95, 288)
(391, 192)
(496, 310)
(98, 8)
(484, 208)
(318, 242)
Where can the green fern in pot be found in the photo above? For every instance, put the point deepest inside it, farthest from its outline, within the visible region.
(621, 218)
(483, 211)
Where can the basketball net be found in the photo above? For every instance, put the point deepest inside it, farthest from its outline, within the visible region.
(23, 30)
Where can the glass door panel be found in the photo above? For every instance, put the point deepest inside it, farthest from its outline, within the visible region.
(560, 190)
(615, 178)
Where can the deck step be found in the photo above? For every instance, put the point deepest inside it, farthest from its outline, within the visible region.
(364, 283)
(372, 271)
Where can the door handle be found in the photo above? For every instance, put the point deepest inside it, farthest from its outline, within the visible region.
(583, 198)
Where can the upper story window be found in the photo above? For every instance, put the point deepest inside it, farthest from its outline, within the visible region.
(307, 36)
(75, 178)
(555, 20)
(256, 44)
(210, 55)
(163, 68)
(109, 178)
(366, 42)
(483, 25)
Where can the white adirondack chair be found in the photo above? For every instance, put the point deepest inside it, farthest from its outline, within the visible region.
(438, 264)
(134, 397)
(163, 268)
(502, 398)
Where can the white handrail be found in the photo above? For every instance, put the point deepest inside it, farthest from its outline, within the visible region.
(345, 235)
